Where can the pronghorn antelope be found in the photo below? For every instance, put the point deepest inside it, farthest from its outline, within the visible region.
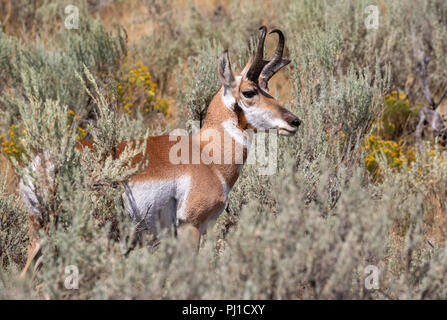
(431, 123)
(195, 193)
(431, 127)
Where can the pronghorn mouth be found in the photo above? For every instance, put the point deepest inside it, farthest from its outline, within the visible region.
(286, 132)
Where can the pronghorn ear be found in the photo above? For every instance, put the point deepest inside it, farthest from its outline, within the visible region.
(224, 72)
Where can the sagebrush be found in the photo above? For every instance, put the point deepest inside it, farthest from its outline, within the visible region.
(306, 232)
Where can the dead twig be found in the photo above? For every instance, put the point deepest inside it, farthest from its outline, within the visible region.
(422, 66)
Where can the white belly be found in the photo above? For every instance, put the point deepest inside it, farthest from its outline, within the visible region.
(157, 204)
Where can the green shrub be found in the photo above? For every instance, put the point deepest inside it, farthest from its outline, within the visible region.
(13, 228)
(51, 74)
(398, 118)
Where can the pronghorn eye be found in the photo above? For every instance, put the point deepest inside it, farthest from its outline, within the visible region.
(249, 94)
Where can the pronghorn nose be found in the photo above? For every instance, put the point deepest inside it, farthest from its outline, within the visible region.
(291, 119)
(295, 122)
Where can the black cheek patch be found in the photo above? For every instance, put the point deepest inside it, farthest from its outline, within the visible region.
(242, 120)
(238, 109)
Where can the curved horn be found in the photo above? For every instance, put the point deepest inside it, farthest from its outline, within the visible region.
(276, 63)
(258, 62)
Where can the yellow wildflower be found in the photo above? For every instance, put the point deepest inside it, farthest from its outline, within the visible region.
(81, 133)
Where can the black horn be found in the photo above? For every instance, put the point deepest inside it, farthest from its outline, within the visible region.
(258, 63)
(274, 65)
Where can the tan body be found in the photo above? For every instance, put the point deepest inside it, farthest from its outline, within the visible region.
(165, 193)
(194, 193)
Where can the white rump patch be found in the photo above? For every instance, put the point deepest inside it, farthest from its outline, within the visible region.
(40, 166)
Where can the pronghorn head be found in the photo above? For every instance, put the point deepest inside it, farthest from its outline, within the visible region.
(441, 137)
(431, 123)
(248, 94)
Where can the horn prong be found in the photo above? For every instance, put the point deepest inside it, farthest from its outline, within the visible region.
(262, 70)
(258, 62)
(276, 63)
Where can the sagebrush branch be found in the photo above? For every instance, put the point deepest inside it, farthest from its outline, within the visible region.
(422, 71)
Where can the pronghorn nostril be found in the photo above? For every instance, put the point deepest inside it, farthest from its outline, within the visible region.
(291, 119)
(296, 123)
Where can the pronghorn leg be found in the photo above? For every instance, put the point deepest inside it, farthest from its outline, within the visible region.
(196, 237)
(34, 252)
(34, 248)
(137, 240)
(190, 233)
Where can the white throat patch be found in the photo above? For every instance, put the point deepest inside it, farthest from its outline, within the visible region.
(236, 133)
